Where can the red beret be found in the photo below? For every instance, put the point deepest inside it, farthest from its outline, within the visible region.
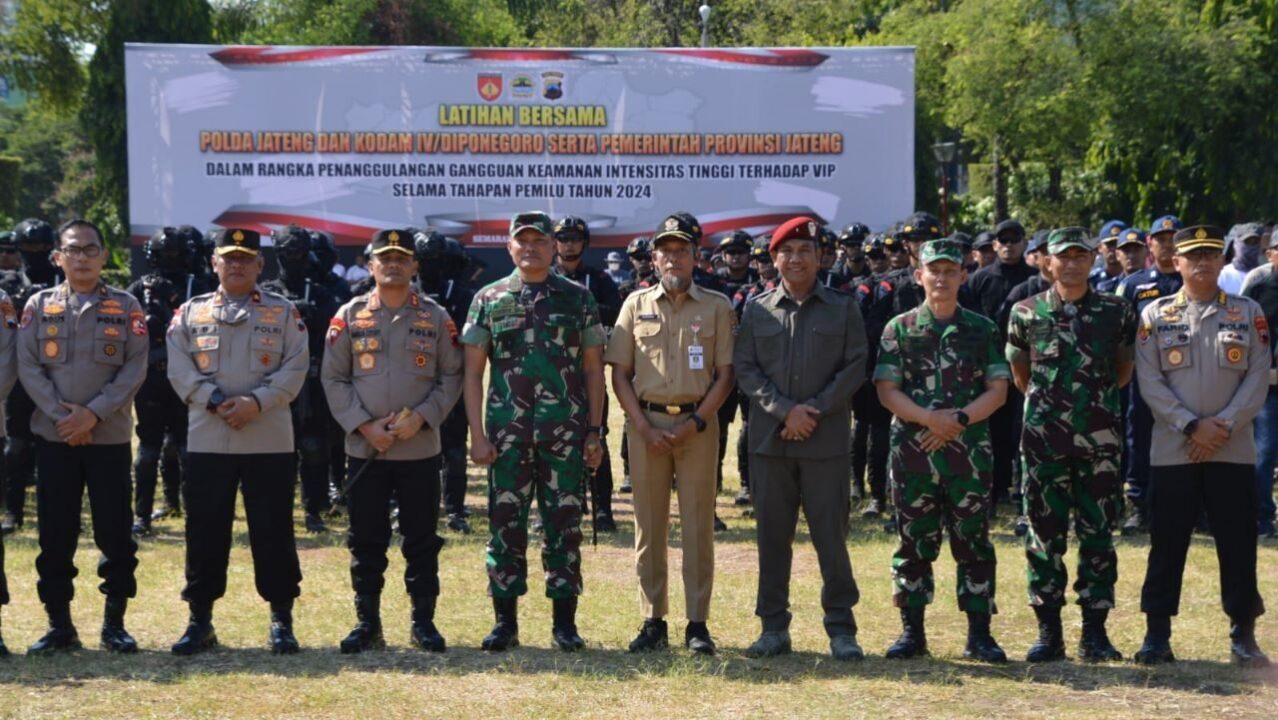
(800, 228)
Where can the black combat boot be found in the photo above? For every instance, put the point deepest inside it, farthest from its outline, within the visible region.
(367, 633)
(505, 634)
(114, 637)
(1243, 649)
(1094, 644)
(425, 635)
(61, 634)
(283, 642)
(1051, 639)
(653, 635)
(1157, 648)
(199, 635)
(913, 640)
(980, 643)
(564, 630)
(4, 651)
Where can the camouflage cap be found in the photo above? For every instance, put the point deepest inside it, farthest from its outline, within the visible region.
(1062, 239)
(535, 219)
(938, 250)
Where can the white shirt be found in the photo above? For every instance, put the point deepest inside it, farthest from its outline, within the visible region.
(355, 273)
(1231, 279)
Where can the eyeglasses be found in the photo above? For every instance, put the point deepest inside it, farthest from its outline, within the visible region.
(86, 251)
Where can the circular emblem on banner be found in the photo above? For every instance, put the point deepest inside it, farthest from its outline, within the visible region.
(1234, 354)
(1175, 356)
(51, 349)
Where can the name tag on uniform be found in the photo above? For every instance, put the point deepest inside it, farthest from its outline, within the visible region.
(696, 357)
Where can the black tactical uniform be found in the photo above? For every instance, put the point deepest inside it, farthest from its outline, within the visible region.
(311, 417)
(640, 253)
(34, 240)
(737, 241)
(600, 284)
(441, 276)
(870, 438)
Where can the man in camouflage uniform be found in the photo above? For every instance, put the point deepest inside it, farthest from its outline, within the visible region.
(1071, 349)
(8, 377)
(941, 374)
(544, 408)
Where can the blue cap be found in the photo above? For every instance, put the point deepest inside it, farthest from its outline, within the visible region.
(1166, 223)
(1110, 231)
(1131, 236)
(1038, 241)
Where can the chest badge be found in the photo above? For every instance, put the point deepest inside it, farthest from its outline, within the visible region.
(420, 360)
(1234, 355)
(202, 361)
(1175, 357)
(109, 350)
(367, 362)
(51, 349)
(52, 330)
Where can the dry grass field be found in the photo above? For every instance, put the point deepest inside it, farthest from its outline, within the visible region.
(242, 680)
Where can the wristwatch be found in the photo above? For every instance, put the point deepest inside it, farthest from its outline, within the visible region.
(217, 398)
(1190, 427)
(696, 420)
(962, 417)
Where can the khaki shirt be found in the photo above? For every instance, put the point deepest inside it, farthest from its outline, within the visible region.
(380, 360)
(259, 350)
(91, 354)
(8, 356)
(1194, 363)
(787, 354)
(653, 335)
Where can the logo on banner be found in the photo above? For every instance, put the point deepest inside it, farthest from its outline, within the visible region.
(552, 85)
(489, 86)
(523, 86)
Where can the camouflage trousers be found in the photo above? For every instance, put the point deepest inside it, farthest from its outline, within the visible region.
(953, 496)
(555, 475)
(1091, 488)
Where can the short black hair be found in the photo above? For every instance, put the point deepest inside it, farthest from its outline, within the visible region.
(80, 222)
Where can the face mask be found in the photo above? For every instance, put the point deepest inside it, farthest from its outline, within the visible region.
(1247, 256)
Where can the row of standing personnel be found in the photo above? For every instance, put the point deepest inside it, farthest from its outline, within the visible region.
(544, 338)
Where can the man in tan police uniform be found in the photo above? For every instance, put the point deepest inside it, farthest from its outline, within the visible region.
(671, 357)
(390, 350)
(238, 357)
(82, 357)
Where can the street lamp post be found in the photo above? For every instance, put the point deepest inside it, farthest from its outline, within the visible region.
(944, 154)
(704, 11)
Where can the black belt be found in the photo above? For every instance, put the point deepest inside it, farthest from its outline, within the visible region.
(668, 409)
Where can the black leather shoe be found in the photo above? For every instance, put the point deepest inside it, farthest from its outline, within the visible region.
(719, 525)
(141, 527)
(913, 640)
(980, 643)
(1156, 650)
(61, 636)
(564, 630)
(199, 635)
(367, 633)
(505, 633)
(423, 631)
(696, 637)
(1094, 644)
(1050, 645)
(282, 640)
(605, 524)
(457, 523)
(1243, 649)
(114, 637)
(315, 523)
(652, 636)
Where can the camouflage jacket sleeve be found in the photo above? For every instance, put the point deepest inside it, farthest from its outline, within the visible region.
(280, 387)
(118, 392)
(888, 366)
(996, 367)
(621, 343)
(448, 382)
(476, 331)
(335, 375)
(592, 332)
(1018, 335)
(1127, 334)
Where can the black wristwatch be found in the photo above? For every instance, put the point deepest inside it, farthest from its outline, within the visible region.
(696, 420)
(1190, 427)
(217, 398)
(962, 417)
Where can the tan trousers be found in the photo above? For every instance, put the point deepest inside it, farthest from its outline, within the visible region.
(693, 464)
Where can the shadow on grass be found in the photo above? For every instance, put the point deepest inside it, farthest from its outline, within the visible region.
(76, 669)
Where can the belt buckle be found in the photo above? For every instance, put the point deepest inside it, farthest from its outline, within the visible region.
(673, 410)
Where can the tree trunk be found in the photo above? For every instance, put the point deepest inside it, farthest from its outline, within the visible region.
(1000, 185)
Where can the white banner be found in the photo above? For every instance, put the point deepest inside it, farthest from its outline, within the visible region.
(353, 139)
